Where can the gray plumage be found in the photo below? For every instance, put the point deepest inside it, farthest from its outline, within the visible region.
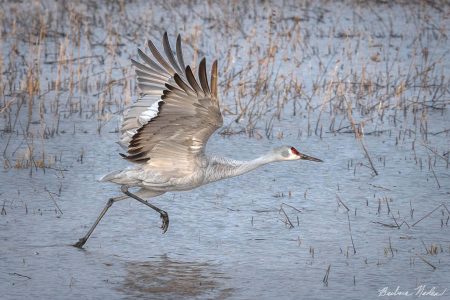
(166, 130)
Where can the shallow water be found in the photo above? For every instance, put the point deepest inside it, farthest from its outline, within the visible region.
(272, 233)
(227, 239)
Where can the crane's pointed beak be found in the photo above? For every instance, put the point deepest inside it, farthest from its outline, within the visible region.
(307, 157)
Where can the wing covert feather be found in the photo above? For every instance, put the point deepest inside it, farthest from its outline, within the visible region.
(170, 124)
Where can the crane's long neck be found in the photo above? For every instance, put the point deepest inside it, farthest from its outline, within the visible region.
(220, 167)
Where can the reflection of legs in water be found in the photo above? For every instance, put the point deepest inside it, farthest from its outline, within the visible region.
(141, 193)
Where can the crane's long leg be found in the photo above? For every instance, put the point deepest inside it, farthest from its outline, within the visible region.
(124, 188)
(110, 202)
(163, 214)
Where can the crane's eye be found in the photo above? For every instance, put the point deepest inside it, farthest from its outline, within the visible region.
(295, 151)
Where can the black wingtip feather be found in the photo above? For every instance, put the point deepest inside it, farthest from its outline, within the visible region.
(169, 53)
(214, 80)
(191, 79)
(183, 85)
(203, 77)
(180, 53)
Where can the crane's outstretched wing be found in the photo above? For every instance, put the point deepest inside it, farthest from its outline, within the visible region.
(169, 126)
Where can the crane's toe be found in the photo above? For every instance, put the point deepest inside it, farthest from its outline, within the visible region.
(80, 243)
(165, 221)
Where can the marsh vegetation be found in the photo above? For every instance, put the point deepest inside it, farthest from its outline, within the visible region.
(365, 86)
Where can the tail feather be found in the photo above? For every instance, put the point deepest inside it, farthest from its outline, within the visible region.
(129, 176)
(109, 176)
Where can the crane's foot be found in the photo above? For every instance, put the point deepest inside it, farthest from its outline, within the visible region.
(80, 243)
(165, 221)
(163, 214)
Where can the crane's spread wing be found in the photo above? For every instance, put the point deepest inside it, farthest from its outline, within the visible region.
(171, 122)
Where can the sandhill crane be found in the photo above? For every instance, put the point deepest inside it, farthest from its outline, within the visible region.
(166, 130)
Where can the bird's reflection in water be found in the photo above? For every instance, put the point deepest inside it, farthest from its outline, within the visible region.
(163, 278)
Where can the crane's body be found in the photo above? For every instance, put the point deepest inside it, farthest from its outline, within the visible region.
(210, 169)
(165, 133)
